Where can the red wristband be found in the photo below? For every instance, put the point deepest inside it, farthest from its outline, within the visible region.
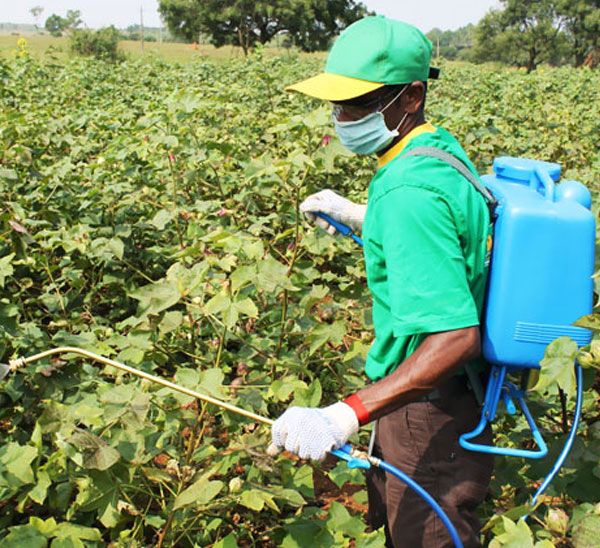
(357, 406)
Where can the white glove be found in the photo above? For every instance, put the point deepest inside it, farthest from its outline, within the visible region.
(337, 207)
(311, 432)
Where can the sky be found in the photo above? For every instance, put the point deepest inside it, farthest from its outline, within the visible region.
(425, 14)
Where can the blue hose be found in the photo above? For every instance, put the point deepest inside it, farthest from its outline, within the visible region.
(427, 497)
(570, 440)
(364, 461)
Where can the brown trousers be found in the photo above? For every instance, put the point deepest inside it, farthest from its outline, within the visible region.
(421, 439)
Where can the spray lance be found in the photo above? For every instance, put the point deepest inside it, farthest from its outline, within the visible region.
(353, 457)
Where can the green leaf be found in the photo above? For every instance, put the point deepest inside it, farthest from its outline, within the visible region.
(162, 217)
(281, 389)
(256, 500)
(65, 530)
(586, 534)
(39, 492)
(218, 303)
(67, 542)
(375, 539)
(187, 279)
(98, 455)
(170, 141)
(318, 242)
(241, 276)
(154, 521)
(6, 268)
(45, 527)
(230, 316)
(272, 276)
(591, 321)
(309, 397)
(117, 247)
(317, 293)
(156, 297)
(170, 322)
(16, 460)
(55, 417)
(342, 475)
(516, 535)
(24, 536)
(131, 356)
(211, 382)
(9, 175)
(557, 366)
(228, 542)
(247, 307)
(198, 494)
(323, 333)
(340, 521)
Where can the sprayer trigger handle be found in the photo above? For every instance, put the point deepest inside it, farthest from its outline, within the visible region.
(340, 227)
(344, 453)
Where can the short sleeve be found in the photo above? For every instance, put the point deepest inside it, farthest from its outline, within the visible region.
(424, 262)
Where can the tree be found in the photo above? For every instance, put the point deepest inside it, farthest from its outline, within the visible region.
(73, 19)
(55, 24)
(311, 24)
(453, 44)
(582, 22)
(36, 11)
(101, 44)
(525, 33)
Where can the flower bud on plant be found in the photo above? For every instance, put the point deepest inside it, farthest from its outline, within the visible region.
(172, 468)
(585, 359)
(235, 485)
(187, 473)
(242, 368)
(557, 521)
(595, 350)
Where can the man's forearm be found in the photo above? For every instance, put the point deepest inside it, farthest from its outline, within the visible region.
(437, 359)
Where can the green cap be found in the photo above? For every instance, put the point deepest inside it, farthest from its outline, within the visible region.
(371, 53)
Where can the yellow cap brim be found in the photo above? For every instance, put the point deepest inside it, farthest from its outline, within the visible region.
(334, 87)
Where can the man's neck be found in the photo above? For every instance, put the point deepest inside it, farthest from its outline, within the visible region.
(411, 122)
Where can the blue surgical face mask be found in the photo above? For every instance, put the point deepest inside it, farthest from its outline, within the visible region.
(368, 134)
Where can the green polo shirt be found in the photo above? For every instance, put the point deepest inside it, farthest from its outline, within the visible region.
(426, 236)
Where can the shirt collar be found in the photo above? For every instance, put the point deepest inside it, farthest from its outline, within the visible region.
(400, 145)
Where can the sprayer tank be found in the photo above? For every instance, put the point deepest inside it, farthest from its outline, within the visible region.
(542, 262)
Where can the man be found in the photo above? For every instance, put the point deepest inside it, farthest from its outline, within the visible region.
(425, 232)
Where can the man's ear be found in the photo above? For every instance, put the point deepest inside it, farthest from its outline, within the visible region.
(414, 97)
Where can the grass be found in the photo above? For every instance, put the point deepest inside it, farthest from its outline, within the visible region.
(43, 45)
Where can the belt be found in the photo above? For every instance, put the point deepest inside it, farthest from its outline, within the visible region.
(454, 386)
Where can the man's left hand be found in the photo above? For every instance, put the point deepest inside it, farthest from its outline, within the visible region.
(311, 432)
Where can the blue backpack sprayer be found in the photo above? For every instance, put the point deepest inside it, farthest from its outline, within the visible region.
(539, 284)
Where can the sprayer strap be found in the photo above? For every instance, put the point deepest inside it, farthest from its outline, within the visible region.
(439, 154)
(442, 155)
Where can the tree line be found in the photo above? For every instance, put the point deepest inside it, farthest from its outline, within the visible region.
(522, 33)
(309, 25)
(527, 33)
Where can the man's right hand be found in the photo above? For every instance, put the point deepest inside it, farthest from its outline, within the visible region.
(337, 207)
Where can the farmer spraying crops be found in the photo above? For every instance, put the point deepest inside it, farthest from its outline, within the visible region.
(425, 231)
